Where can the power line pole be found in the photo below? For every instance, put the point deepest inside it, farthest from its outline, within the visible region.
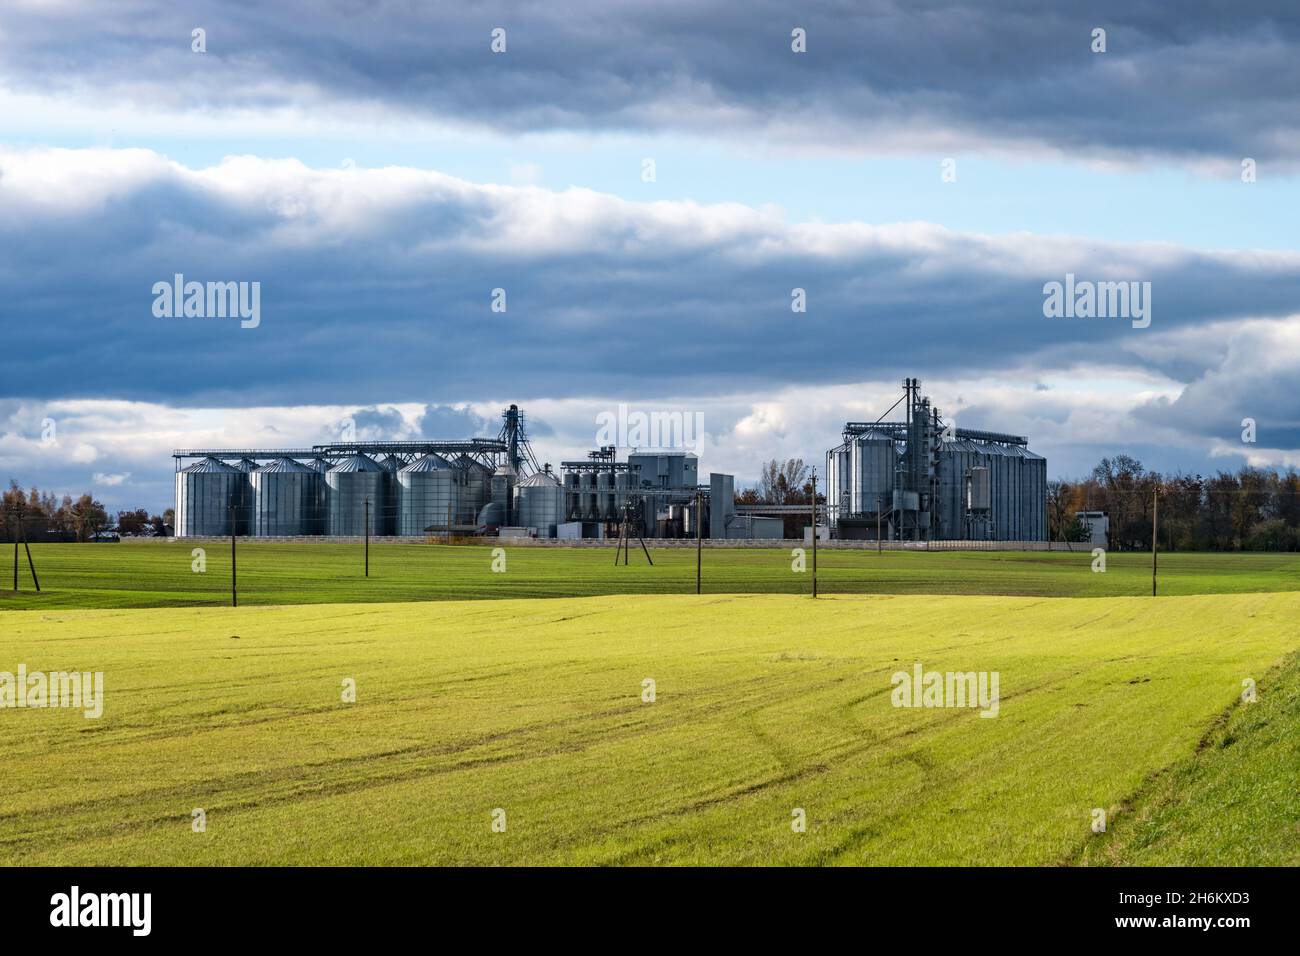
(699, 535)
(1155, 524)
(15, 554)
(814, 531)
(879, 546)
(366, 532)
(234, 589)
(30, 563)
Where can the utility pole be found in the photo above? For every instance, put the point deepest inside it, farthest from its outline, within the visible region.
(1155, 524)
(366, 532)
(814, 531)
(30, 563)
(449, 524)
(15, 554)
(234, 588)
(879, 546)
(699, 535)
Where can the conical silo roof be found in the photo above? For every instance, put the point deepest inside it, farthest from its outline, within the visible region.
(427, 463)
(540, 479)
(210, 466)
(391, 463)
(319, 464)
(355, 463)
(246, 465)
(285, 466)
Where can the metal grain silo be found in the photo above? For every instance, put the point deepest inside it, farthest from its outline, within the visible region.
(244, 496)
(838, 485)
(285, 497)
(428, 495)
(318, 517)
(205, 493)
(605, 496)
(872, 471)
(351, 483)
(541, 503)
(1033, 496)
(392, 495)
(957, 458)
(503, 490)
(474, 481)
(588, 508)
(572, 504)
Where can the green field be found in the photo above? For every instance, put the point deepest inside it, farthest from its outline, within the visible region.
(159, 574)
(764, 704)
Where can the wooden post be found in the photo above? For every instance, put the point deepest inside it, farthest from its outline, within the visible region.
(814, 531)
(15, 554)
(234, 587)
(366, 532)
(879, 547)
(699, 534)
(30, 563)
(1155, 523)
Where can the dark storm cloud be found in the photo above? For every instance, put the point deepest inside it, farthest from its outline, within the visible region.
(1199, 80)
(380, 283)
(377, 286)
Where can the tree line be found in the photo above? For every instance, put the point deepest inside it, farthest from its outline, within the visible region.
(1252, 509)
(45, 516)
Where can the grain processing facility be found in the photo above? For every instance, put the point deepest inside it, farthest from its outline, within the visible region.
(921, 480)
(912, 480)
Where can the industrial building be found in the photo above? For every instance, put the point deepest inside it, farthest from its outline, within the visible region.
(358, 487)
(922, 480)
(912, 480)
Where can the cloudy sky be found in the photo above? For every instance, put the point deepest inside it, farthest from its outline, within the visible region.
(648, 182)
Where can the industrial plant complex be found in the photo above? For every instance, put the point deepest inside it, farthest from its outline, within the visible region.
(917, 479)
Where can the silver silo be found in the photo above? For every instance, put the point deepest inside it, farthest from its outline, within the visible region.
(588, 508)
(428, 495)
(475, 488)
(873, 467)
(503, 491)
(285, 496)
(605, 495)
(351, 483)
(318, 520)
(205, 493)
(541, 503)
(572, 505)
(244, 504)
(392, 495)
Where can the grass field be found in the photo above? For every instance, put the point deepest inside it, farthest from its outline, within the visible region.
(160, 574)
(764, 704)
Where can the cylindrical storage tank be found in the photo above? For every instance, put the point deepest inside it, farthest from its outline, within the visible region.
(392, 495)
(351, 483)
(205, 493)
(475, 488)
(285, 493)
(428, 496)
(541, 503)
(318, 517)
(503, 491)
(244, 504)
(572, 502)
(874, 465)
(605, 495)
(622, 485)
(590, 509)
